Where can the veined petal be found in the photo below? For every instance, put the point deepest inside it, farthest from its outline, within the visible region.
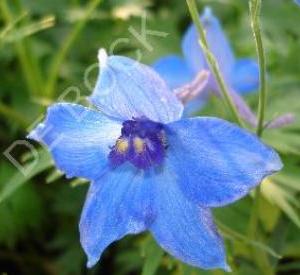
(184, 229)
(120, 203)
(126, 88)
(217, 162)
(245, 76)
(78, 139)
(174, 70)
(217, 41)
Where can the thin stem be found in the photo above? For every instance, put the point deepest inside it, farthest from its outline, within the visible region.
(9, 27)
(255, 7)
(66, 46)
(260, 258)
(29, 67)
(37, 75)
(214, 67)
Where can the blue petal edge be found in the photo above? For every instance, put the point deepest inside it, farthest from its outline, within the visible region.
(245, 76)
(173, 70)
(78, 138)
(218, 44)
(218, 162)
(184, 229)
(119, 203)
(126, 88)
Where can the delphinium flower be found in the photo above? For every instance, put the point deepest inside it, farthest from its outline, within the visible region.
(150, 169)
(241, 75)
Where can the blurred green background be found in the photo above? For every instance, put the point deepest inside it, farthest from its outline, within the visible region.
(48, 52)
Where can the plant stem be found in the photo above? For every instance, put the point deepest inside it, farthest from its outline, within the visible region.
(255, 8)
(29, 66)
(259, 257)
(33, 58)
(66, 46)
(213, 64)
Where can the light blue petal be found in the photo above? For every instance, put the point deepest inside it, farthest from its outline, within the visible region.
(120, 203)
(195, 105)
(192, 51)
(174, 70)
(126, 88)
(218, 44)
(245, 76)
(184, 229)
(297, 2)
(217, 162)
(78, 139)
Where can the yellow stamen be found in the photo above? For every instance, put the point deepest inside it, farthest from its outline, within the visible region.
(139, 144)
(122, 145)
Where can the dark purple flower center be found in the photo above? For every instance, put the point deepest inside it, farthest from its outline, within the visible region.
(142, 142)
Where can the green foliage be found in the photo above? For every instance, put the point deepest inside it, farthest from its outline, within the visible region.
(18, 179)
(153, 255)
(21, 214)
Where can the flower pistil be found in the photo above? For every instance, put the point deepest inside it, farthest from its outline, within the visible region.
(142, 142)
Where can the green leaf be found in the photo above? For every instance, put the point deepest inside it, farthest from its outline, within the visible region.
(29, 29)
(280, 197)
(21, 214)
(153, 257)
(269, 214)
(78, 182)
(54, 175)
(289, 175)
(18, 179)
(9, 27)
(290, 267)
(227, 232)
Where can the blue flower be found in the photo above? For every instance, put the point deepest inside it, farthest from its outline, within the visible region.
(297, 2)
(149, 168)
(241, 75)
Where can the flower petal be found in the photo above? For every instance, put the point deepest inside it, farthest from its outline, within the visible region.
(78, 138)
(173, 70)
(192, 51)
(184, 229)
(243, 108)
(194, 106)
(126, 88)
(218, 162)
(217, 41)
(120, 203)
(245, 76)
